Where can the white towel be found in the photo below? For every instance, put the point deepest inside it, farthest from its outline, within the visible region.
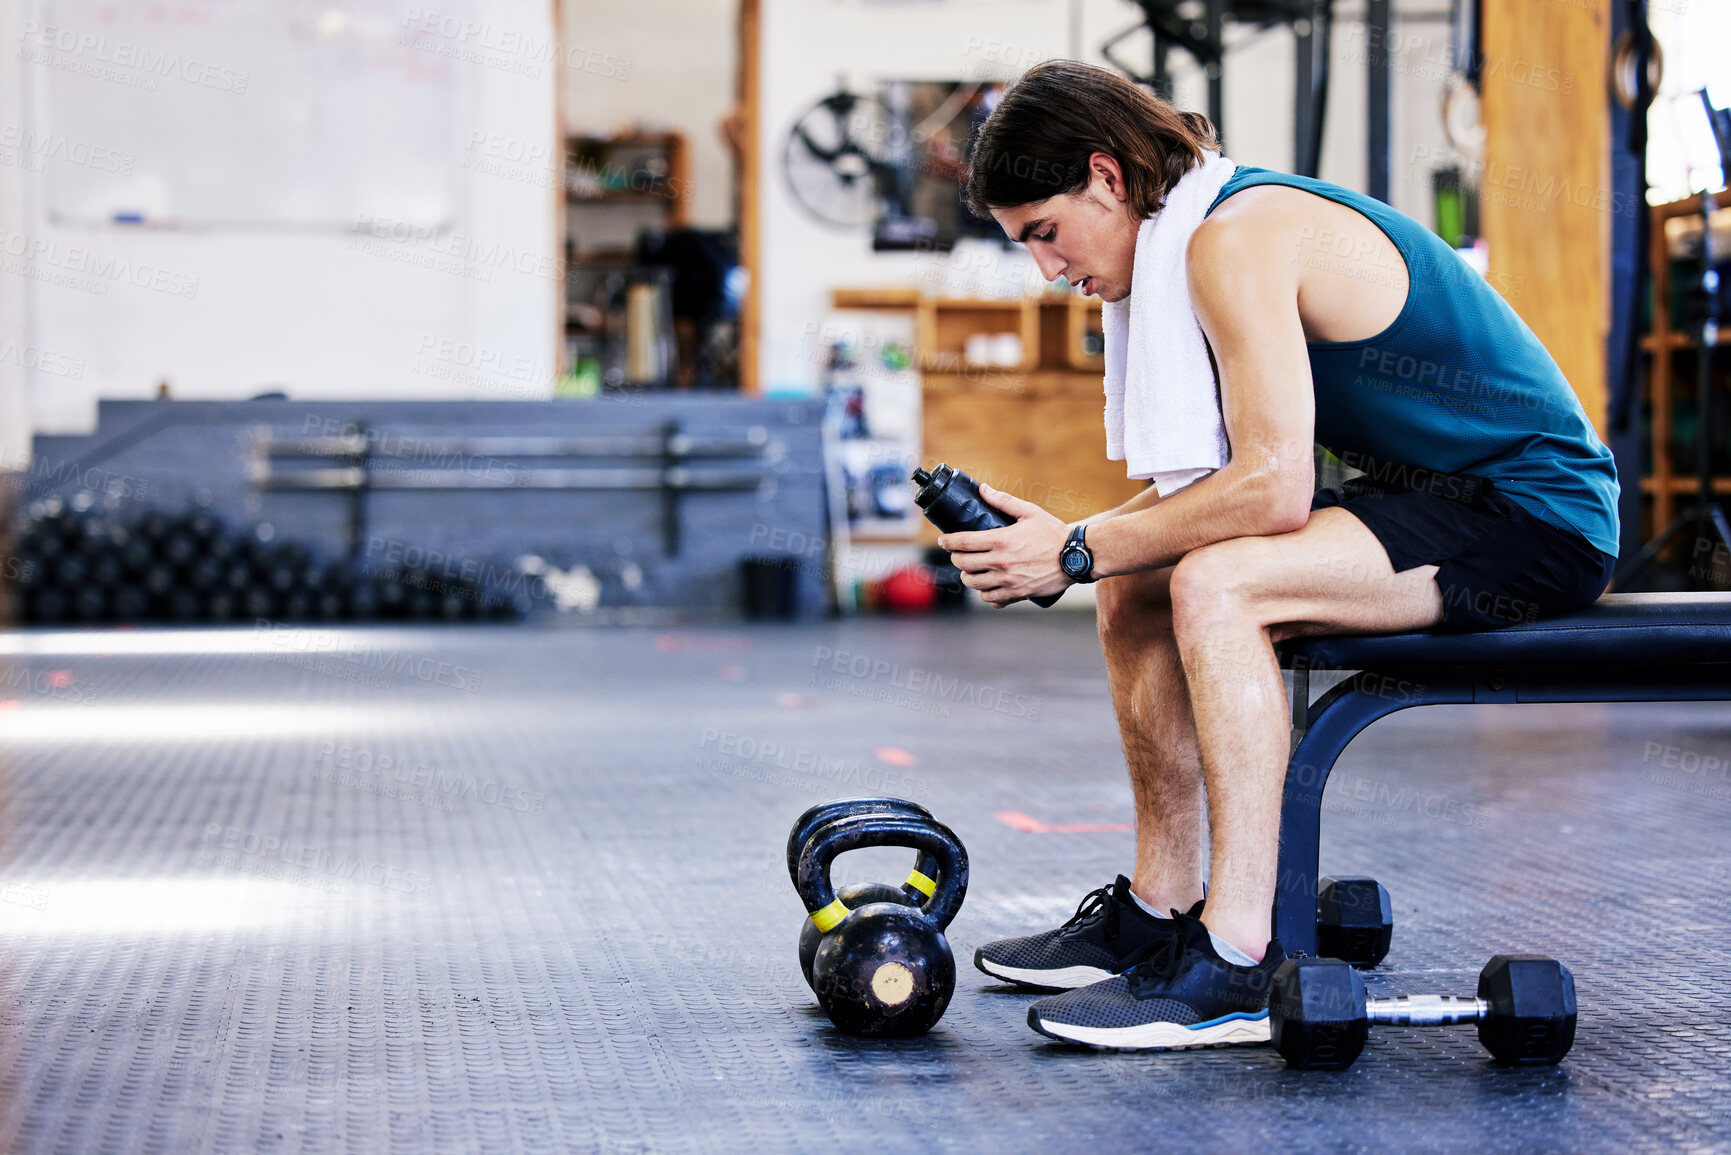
(1162, 401)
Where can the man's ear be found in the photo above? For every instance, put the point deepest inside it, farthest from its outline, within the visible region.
(1103, 170)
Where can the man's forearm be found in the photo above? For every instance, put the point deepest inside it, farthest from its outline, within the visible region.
(1143, 500)
(1154, 533)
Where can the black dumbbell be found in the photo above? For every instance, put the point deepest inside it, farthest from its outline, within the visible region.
(159, 579)
(105, 568)
(1354, 920)
(179, 549)
(203, 527)
(89, 603)
(184, 605)
(389, 594)
(329, 603)
(155, 528)
(205, 574)
(136, 554)
(362, 601)
(280, 575)
(71, 571)
(49, 604)
(46, 539)
(884, 969)
(219, 605)
(916, 889)
(418, 604)
(951, 500)
(1319, 1016)
(128, 603)
(257, 601)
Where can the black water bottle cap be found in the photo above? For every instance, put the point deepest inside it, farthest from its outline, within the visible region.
(921, 477)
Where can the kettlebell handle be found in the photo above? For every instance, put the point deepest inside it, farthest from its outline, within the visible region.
(925, 868)
(858, 831)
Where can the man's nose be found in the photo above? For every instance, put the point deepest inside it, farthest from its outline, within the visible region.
(1050, 264)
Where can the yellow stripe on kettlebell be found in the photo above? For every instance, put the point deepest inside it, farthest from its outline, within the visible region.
(829, 917)
(921, 883)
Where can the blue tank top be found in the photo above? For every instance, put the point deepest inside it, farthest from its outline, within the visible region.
(1456, 384)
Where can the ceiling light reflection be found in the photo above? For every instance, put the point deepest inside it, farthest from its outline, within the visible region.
(274, 638)
(112, 906)
(99, 724)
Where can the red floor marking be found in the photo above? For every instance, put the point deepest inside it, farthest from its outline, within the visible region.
(672, 643)
(895, 756)
(1028, 824)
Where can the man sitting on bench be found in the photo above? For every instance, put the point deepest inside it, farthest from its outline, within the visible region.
(1487, 499)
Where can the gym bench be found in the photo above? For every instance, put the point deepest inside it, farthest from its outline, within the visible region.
(1663, 647)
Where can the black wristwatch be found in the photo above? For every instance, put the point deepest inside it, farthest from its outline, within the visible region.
(1076, 559)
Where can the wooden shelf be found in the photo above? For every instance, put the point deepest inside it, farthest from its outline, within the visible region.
(1684, 485)
(1033, 430)
(1671, 480)
(943, 325)
(875, 298)
(1688, 206)
(618, 197)
(1653, 341)
(1051, 328)
(627, 139)
(990, 381)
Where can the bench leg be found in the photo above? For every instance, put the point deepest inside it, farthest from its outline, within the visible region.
(1331, 724)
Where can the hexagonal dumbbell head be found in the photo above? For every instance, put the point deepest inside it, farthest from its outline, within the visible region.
(1532, 1009)
(1316, 1014)
(1354, 920)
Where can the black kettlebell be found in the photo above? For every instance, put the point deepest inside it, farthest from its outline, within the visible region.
(884, 969)
(916, 889)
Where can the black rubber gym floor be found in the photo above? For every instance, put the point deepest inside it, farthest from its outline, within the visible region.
(511, 889)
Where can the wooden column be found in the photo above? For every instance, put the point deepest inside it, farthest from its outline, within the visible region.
(750, 203)
(1545, 194)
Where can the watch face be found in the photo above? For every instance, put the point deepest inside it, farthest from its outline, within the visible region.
(1074, 562)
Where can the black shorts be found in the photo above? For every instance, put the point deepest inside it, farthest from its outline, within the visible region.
(1497, 563)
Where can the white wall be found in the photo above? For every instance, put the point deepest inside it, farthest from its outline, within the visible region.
(317, 311)
(807, 45)
(677, 70)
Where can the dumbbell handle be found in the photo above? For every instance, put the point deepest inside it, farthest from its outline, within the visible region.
(1426, 1010)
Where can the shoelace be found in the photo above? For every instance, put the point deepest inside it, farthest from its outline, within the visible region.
(1163, 959)
(1160, 960)
(1099, 903)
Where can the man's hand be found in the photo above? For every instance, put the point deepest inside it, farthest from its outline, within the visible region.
(1015, 562)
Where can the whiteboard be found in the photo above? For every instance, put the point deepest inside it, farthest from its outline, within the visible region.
(242, 113)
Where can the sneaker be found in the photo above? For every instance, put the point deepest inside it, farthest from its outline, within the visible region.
(1179, 994)
(1107, 931)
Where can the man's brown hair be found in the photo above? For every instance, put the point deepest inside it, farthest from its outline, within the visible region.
(1037, 141)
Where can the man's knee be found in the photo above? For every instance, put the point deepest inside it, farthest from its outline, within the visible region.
(1134, 607)
(1207, 581)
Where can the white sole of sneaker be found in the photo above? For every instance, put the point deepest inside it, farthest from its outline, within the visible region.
(1233, 1030)
(1063, 979)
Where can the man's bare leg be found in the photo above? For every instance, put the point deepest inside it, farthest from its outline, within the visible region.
(1152, 700)
(1231, 601)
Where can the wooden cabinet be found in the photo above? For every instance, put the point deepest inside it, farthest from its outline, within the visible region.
(1671, 379)
(1035, 428)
